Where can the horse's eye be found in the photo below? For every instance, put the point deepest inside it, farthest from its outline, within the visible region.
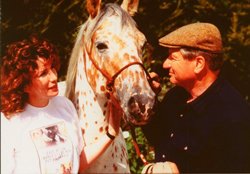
(101, 46)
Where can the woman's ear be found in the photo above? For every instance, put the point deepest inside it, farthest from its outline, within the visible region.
(199, 64)
(26, 89)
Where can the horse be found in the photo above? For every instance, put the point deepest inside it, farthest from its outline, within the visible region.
(107, 58)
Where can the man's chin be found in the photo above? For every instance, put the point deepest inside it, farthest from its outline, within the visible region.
(172, 80)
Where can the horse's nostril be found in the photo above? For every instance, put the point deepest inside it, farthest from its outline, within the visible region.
(135, 107)
(142, 107)
(131, 101)
(149, 111)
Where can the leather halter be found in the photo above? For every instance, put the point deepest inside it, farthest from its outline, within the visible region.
(111, 79)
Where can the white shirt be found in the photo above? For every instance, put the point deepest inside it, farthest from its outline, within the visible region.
(42, 140)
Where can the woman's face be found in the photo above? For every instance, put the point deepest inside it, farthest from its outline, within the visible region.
(43, 85)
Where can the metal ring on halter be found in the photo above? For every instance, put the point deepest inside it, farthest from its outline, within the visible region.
(112, 137)
(110, 85)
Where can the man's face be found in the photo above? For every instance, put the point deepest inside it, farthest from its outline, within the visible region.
(181, 71)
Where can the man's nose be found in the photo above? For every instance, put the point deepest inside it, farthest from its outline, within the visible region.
(166, 64)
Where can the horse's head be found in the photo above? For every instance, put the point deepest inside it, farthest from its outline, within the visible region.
(112, 47)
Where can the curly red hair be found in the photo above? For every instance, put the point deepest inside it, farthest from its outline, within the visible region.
(18, 64)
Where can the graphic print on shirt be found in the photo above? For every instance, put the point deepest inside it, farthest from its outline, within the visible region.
(54, 149)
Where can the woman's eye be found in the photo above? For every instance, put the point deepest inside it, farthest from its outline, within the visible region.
(101, 46)
(43, 73)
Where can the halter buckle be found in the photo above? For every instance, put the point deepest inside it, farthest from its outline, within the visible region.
(110, 85)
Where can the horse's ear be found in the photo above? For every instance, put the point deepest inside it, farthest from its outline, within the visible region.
(130, 6)
(93, 7)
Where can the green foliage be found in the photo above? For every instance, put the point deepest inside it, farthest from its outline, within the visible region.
(135, 161)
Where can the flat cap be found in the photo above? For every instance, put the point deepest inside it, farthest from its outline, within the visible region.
(202, 36)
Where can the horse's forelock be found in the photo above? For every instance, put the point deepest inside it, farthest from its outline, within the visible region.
(107, 11)
(126, 19)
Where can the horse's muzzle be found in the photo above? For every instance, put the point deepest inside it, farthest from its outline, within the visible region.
(140, 108)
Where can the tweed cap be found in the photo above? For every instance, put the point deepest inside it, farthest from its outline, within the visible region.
(201, 36)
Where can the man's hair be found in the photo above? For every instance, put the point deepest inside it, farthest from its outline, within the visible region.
(18, 63)
(214, 60)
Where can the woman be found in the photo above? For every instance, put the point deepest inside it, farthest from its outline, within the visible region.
(40, 131)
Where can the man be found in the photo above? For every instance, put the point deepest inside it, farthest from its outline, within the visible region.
(203, 123)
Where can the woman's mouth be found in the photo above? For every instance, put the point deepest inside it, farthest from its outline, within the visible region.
(54, 88)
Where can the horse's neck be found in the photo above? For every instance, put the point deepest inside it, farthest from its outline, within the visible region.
(91, 107)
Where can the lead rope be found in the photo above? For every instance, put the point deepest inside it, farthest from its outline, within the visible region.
(137, 149)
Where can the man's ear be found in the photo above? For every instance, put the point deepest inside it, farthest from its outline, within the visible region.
(200, 64)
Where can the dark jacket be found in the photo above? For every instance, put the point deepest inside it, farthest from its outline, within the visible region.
(210, 134)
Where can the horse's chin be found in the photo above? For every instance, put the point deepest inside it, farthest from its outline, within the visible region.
(139, 119)
(137, 123)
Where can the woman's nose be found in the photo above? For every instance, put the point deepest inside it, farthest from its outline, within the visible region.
(53, 75)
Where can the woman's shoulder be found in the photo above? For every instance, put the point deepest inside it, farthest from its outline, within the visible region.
(8, 119)
(4, 120)
(10, 125)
